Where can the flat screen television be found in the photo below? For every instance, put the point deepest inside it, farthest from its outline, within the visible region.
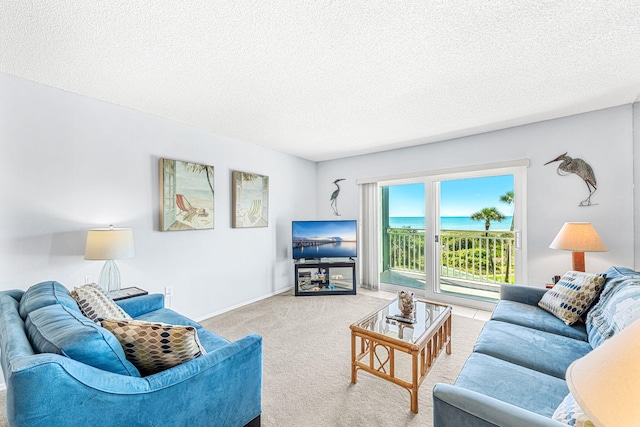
(324, 239)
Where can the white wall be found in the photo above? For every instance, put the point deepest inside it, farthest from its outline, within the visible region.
(603, 138)
(70, 163)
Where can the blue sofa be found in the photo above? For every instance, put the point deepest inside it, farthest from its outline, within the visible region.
(516, 373)
(219, 388)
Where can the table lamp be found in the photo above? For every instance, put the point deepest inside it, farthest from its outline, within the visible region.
(579, 237)
(606, 382)
(108, 244)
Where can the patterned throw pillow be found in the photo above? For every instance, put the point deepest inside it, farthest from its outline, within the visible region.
(572, 295)
(570, 413)
(153, 347)
(96, 304)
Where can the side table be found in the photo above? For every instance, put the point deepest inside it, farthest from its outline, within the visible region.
(125, 293)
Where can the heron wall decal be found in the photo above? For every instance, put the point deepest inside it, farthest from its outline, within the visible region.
(334, 197)
(579, 167)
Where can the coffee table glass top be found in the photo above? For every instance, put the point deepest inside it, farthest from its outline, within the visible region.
(426, 315)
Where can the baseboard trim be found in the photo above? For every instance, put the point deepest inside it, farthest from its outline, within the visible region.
(233, 307)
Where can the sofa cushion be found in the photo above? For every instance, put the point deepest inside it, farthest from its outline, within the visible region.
(137, 306)
(211, 341)
(166, 315)
(570, 413)
(618, 307)
(96, 304)
(208, 339)
(58, 329)
(44, 294)
(534, 317)
(572, 295)
(542, 351)
(12, 330)
(511, 383)
(154, 347)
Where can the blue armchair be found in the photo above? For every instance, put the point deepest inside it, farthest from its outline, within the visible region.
(219, 388)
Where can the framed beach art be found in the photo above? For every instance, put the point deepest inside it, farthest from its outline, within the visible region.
(250, 200)
(186, 195)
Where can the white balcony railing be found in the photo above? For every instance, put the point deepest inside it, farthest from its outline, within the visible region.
(475, 256)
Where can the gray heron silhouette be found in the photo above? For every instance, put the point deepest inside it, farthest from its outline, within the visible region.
(579, 167)
(334, 197)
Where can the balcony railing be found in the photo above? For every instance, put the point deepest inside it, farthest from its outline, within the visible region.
(475, 256)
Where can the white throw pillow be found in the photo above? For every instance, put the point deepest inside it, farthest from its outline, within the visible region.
(570, 413)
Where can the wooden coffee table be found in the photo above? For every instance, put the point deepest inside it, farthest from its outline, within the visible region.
(380, 337)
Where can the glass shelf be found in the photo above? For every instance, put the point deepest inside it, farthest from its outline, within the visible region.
(325, 278)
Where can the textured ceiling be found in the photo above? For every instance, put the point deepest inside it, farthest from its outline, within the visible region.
(325, 79)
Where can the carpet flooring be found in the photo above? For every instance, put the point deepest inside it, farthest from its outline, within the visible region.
(306, 363)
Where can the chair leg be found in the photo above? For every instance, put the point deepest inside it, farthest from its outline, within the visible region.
(254, 422)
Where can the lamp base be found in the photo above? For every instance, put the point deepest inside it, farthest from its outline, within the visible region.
(577, 261)
(110, 276)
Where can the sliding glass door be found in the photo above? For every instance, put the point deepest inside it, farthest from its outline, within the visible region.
(453, 237)
(402, 235)
(475, 237)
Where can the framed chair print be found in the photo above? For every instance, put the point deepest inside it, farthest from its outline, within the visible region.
(250, 200)
(186, 195)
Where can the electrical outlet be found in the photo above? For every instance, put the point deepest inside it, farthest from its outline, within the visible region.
(88, 279)
(168, 291)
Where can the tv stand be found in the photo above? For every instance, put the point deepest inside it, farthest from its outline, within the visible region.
(325, 278)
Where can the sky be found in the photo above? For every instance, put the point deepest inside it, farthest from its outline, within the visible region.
(460, 197)
(325, 229)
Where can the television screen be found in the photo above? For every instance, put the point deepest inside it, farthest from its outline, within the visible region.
(324, 239)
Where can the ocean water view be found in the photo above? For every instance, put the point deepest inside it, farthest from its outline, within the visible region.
(327, 250)
(449, 223)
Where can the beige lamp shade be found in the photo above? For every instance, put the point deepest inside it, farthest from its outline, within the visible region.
(109, 243)
(606, 382)
(579, 237)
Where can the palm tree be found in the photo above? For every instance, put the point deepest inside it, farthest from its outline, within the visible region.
(508, 199)
(198, 168)
(487, 215)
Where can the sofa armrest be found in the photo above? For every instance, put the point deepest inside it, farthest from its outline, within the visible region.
(137, 306)
(520, 293)
(456, 406)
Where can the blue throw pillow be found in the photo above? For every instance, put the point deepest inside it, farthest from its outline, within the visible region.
(44, 294)
(616, 272)
(618, 307)
(58, 329)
